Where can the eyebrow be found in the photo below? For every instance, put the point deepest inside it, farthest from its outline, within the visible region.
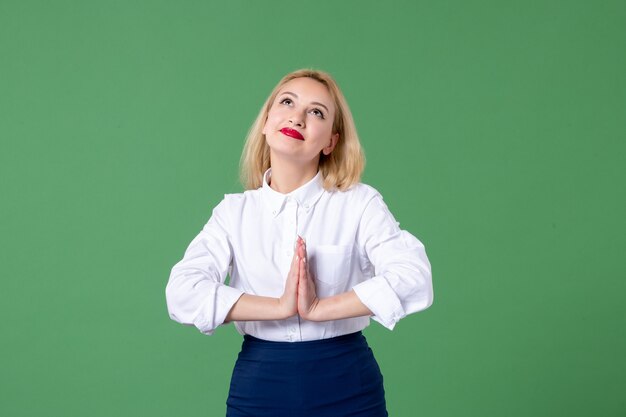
(313, 102)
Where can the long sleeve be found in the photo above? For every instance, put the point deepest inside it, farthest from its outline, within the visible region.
(402, 282)
(195, 293)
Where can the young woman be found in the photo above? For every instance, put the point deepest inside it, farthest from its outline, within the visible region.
(312, 254)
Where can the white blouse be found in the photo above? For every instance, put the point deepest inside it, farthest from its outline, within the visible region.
(353, 242)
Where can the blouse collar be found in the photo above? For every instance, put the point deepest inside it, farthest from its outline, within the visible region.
(306, 195)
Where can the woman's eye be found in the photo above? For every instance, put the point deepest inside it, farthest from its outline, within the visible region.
(318, 113)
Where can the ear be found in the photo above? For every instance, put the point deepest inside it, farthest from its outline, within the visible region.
(331, 146)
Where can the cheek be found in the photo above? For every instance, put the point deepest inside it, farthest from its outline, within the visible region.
(269, 122)
(273, 118)
(324, 130)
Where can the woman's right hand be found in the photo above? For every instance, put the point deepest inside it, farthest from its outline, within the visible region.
(288, 302)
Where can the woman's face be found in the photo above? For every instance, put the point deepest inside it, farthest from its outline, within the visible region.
(300, 121)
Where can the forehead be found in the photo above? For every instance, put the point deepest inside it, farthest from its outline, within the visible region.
(308, 90)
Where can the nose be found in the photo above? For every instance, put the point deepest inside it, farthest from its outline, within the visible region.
(296, 119)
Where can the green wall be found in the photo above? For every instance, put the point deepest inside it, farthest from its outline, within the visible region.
(494, 130)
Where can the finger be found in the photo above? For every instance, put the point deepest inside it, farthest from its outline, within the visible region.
(304, 255)
(302, 249)
(305, 275)
(297, 245)
(302, 272)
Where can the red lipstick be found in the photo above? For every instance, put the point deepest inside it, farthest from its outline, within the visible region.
(291, 133)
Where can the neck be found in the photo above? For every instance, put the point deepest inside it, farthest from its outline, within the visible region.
(287, 177)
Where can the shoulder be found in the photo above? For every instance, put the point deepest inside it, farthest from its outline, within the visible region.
(359, 193)
(232, 202)
(231, 207)
(238, 198)
(366, 202)
(360, 200)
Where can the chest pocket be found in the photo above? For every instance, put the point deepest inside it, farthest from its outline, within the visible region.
(330, 265)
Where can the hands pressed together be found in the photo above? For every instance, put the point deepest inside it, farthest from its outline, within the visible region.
(300, 296)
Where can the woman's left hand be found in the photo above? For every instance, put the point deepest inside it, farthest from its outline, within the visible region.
(307, 294)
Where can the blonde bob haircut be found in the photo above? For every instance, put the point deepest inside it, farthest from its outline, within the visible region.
(341, 169)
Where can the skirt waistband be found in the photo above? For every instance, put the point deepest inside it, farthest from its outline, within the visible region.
(346, 338)
(313, 349)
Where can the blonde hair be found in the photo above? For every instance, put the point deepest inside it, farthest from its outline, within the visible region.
(341, 169)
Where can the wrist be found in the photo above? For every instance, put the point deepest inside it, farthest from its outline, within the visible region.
(284, 309)
(316, 311)
(341, 306)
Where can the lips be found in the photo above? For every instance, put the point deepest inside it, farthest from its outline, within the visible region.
(291, 133)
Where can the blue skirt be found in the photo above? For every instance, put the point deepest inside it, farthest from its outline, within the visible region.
(333, 377)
